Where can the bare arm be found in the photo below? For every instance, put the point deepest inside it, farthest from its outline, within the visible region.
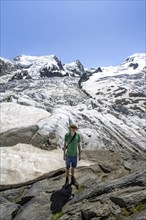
(64, 151)
(79, 150)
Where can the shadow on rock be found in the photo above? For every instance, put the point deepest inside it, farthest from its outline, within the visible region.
(60, 197)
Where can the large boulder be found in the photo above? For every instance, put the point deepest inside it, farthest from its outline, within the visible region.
(19, 123)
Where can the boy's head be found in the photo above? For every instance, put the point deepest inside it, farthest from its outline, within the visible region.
(73, 126)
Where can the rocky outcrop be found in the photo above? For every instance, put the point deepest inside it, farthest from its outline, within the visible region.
(98, 70)
(19, 124)
(95, 199)
(21, 75)
(46, 72)
(134, 65)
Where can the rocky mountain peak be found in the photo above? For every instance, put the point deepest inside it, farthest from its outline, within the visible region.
(75, 68)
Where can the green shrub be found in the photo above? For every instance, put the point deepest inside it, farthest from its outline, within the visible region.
(80, 189)
(56, 216)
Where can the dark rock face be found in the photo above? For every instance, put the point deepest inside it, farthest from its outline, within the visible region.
(84, 78)
(98, 70)
(21, 75)
(46, 72)
(121, 108)
(58, 63)
(80, 66)
(134, 65)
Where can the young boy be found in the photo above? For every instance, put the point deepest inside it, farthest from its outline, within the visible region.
(72, 149)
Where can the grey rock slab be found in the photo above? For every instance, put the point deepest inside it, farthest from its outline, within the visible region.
(37, 208)
(8, 209)
(129, 199)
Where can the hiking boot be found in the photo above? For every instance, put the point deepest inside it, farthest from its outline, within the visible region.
(74, 182)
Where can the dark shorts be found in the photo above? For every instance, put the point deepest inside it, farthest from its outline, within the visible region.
(71, 161)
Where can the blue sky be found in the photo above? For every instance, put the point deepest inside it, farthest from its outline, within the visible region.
(98, 33)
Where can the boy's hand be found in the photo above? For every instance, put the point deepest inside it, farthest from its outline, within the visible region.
(64, 157)
(79, 157)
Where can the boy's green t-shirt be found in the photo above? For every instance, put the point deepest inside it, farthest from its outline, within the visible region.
(72, 147)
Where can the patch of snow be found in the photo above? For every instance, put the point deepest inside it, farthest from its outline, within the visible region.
(24, 162)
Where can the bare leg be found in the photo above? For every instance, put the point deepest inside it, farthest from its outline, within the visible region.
(67, 173)
(67, 177)
(72, 171)
(73, 180)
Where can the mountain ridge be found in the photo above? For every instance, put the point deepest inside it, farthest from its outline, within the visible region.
(26, 61)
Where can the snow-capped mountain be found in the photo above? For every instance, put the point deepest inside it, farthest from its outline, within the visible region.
(104, 98)
(39, 98)
(122, 86)
(39, 66)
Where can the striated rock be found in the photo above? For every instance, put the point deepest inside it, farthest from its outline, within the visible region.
(132, 180)
(130, 199)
